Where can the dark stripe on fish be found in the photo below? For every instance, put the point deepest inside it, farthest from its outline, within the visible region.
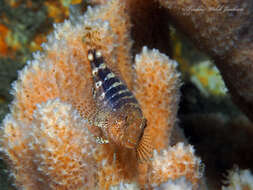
(125, 101)
(98, 61)
(108, 83)
(118, 96)
(102, 73)
(114, 90)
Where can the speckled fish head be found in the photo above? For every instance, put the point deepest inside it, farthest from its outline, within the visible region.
(128, 128)
(134, 126)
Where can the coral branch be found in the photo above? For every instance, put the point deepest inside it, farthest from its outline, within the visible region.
(239, 180)
(173, 163)
(56, 144)
(157, 89)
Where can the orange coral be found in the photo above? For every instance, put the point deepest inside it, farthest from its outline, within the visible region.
(173, 163)
(157, 90)
(51, 147)
(49, 138)
(56, 10)
(3, 45)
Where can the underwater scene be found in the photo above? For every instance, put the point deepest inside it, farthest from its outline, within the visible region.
(126, 94)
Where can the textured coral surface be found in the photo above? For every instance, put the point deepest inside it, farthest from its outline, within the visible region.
(239, 180)
(155, 89)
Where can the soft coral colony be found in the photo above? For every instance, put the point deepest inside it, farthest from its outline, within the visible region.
(49, 138)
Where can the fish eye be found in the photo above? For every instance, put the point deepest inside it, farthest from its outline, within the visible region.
(144, 124)
(98, 54)
(90, 57)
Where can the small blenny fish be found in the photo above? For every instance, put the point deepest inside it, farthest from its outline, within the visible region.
(119, 115)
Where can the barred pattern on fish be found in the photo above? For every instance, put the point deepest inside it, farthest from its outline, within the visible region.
(112, 91)
(120, 116)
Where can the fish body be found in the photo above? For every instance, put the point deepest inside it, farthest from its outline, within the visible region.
(109, 88)
(119, 116)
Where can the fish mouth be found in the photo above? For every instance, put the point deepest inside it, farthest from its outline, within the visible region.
(130, 144)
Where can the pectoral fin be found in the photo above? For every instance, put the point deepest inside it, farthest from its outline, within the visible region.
(144, 149)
